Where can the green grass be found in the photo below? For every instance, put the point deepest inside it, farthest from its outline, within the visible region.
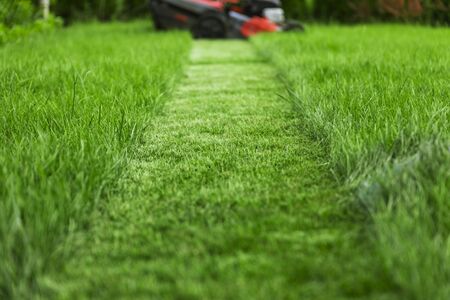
(74, 105)
(115, 185)
(377, 98)
(225, 193)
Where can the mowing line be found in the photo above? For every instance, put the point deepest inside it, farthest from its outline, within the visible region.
(225, 198)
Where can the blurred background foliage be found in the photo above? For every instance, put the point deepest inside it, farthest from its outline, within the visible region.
(103, 10)
(19, 18)
(427, 11)
(16, 12)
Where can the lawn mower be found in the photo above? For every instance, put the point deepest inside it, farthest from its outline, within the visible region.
(221, 18)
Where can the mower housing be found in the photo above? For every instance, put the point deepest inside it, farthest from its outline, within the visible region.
(221, 18)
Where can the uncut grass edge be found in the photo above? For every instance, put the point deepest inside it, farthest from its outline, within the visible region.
(67, 163)
(400, 193)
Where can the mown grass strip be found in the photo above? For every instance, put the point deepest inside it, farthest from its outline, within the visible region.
(378, 98)
(73, 106)
(226, 199)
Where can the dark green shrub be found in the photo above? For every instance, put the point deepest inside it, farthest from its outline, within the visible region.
(298, 9)
(427, 11)
(16, 12)
(436, 11)
(348, 10)
(103, 10)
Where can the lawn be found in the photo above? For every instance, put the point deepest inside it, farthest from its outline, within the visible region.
(377, 98)
(292, 166)
(74, 105)
(224, 193)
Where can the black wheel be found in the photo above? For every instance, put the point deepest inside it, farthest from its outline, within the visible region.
(293, 26)
(210, 26)
(156, 6)
(157, 23)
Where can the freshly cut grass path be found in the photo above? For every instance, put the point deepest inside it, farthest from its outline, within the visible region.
(226, 199)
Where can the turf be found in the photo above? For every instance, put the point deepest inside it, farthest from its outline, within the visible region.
(309, 166)
(226, 199)
(377, 97)
(73, 106)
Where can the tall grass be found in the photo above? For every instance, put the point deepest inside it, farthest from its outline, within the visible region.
(73, 105)
(378, 98)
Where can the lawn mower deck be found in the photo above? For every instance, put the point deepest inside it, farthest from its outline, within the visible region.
(221, 18)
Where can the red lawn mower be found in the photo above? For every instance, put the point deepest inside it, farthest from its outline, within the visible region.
(221, 18)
